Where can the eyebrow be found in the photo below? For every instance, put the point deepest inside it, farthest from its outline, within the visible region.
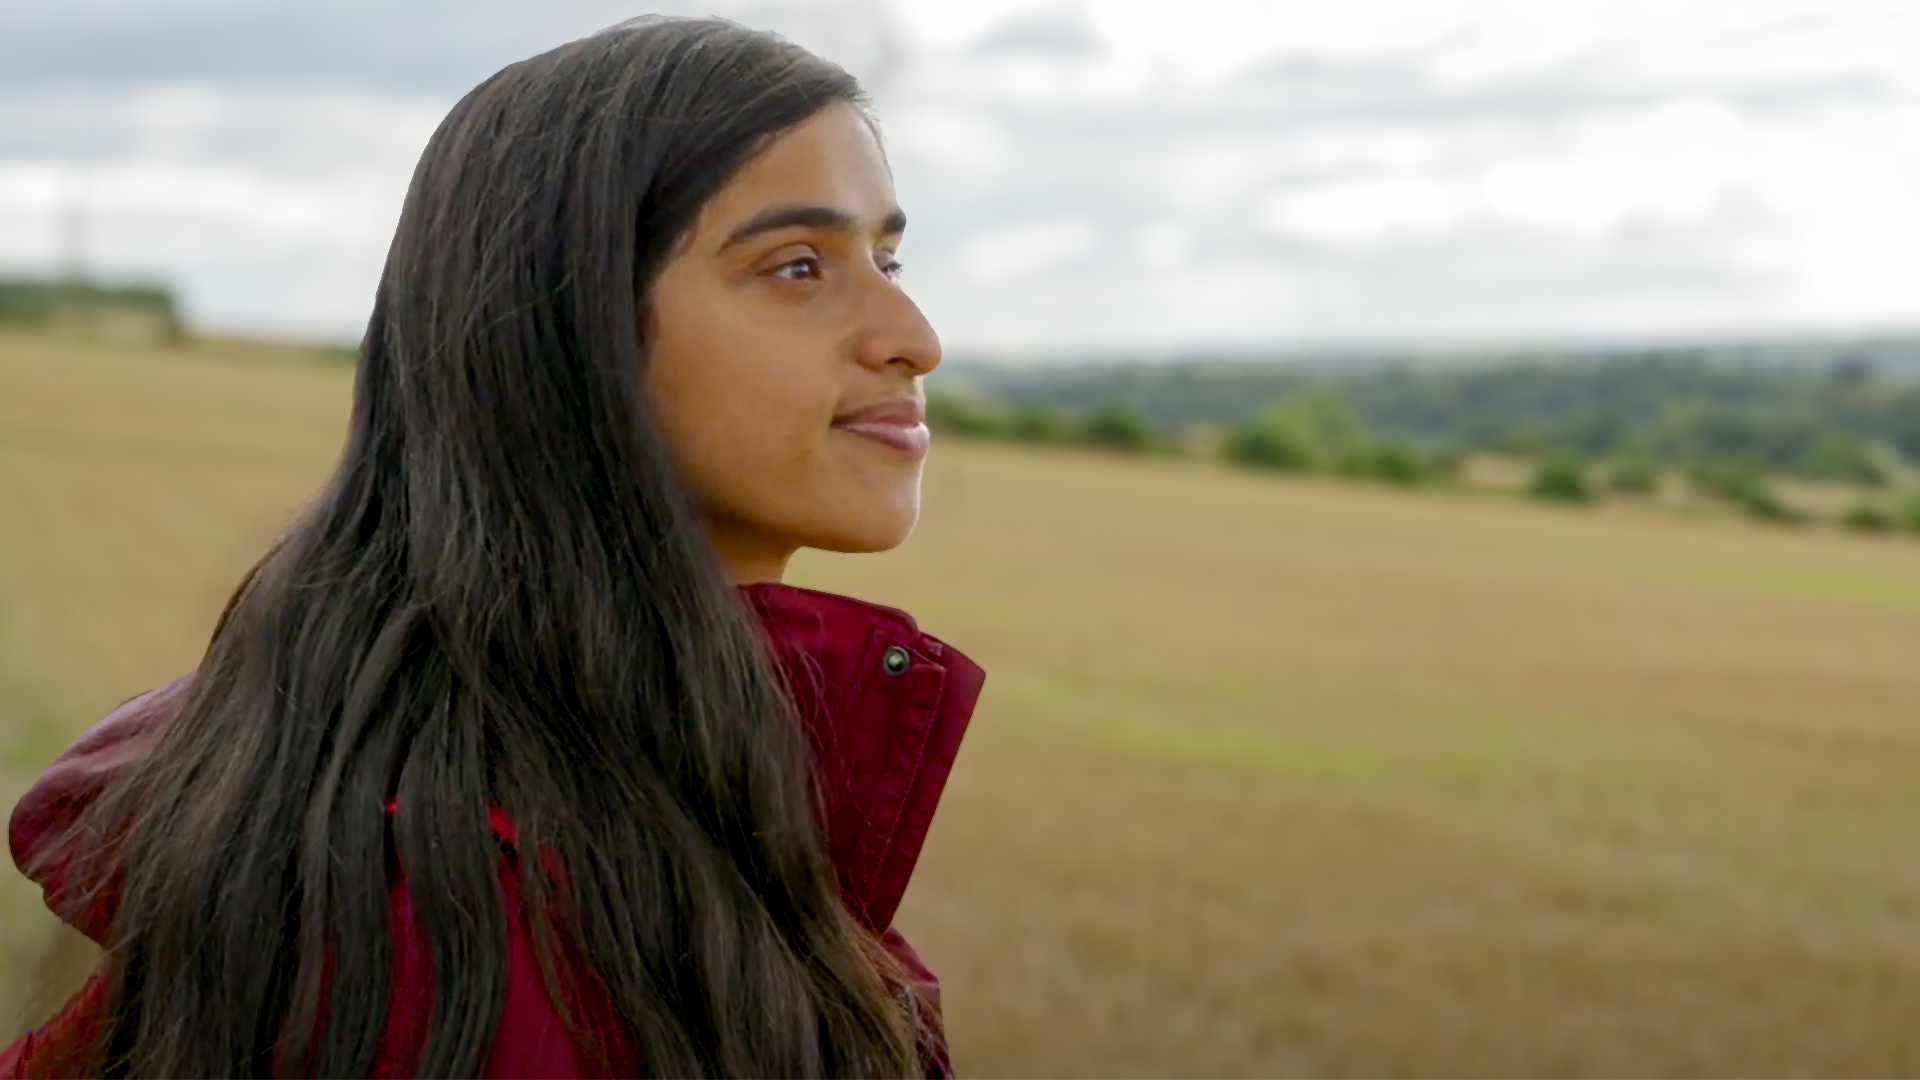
(812, 217)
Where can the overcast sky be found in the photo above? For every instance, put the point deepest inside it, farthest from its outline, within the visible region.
(1082, 177)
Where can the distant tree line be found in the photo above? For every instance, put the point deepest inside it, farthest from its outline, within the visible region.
(1590, 429)
(91, 310)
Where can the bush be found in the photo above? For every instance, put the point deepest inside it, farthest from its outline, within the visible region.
(1836, 455)
(1560, 478)
(1388, 462)
(1867, 517)
(1301, 433)
(1114, 425)
(1633, 476)
(1779, 438)
(1446, 462)
(1266, 446)
(1039, 423)
(1325, 424)
(1119, 427)
(1908, 516)
(970, 416)
(1746, 489)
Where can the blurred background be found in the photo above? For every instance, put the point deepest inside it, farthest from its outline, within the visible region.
(1433, 485)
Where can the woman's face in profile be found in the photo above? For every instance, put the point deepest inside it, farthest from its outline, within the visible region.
(784, 359)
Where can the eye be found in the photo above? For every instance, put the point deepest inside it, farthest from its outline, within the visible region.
(805, 268)
(890, 266)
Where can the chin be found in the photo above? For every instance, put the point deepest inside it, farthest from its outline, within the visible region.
(869, 534)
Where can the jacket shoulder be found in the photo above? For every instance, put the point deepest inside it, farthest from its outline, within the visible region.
(41, 833)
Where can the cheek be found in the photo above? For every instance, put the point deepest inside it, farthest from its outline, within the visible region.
(745, 414)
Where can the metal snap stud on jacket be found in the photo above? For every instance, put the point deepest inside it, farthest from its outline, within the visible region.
(894, 660)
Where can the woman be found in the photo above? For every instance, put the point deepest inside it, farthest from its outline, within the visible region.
(513, 756)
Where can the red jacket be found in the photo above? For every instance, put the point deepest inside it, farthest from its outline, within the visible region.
(885, 735)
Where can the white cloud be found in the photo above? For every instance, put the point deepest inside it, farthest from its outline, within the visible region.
(1397, 169)
(1360, 211)
(1024, 251)
(270, 209)
(1164, 245)
(1108, 174)
(950, 139)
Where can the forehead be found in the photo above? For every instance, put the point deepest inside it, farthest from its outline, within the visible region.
(830, 159)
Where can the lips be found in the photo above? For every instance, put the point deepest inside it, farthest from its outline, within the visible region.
(899, 423)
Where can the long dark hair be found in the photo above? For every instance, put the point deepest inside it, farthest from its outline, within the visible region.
(503, 597)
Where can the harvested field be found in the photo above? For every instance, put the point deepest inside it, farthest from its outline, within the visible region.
(1270, 776)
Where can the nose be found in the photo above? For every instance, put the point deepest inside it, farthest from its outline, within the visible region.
(896, 334)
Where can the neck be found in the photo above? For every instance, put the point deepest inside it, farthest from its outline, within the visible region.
(749, 558)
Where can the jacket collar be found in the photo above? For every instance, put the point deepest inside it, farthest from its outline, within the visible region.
(885, 703)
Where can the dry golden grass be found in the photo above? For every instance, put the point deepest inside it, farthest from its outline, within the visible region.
(135, 488)
(1270, 777)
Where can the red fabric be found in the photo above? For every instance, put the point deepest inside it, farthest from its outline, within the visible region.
(885, 736)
